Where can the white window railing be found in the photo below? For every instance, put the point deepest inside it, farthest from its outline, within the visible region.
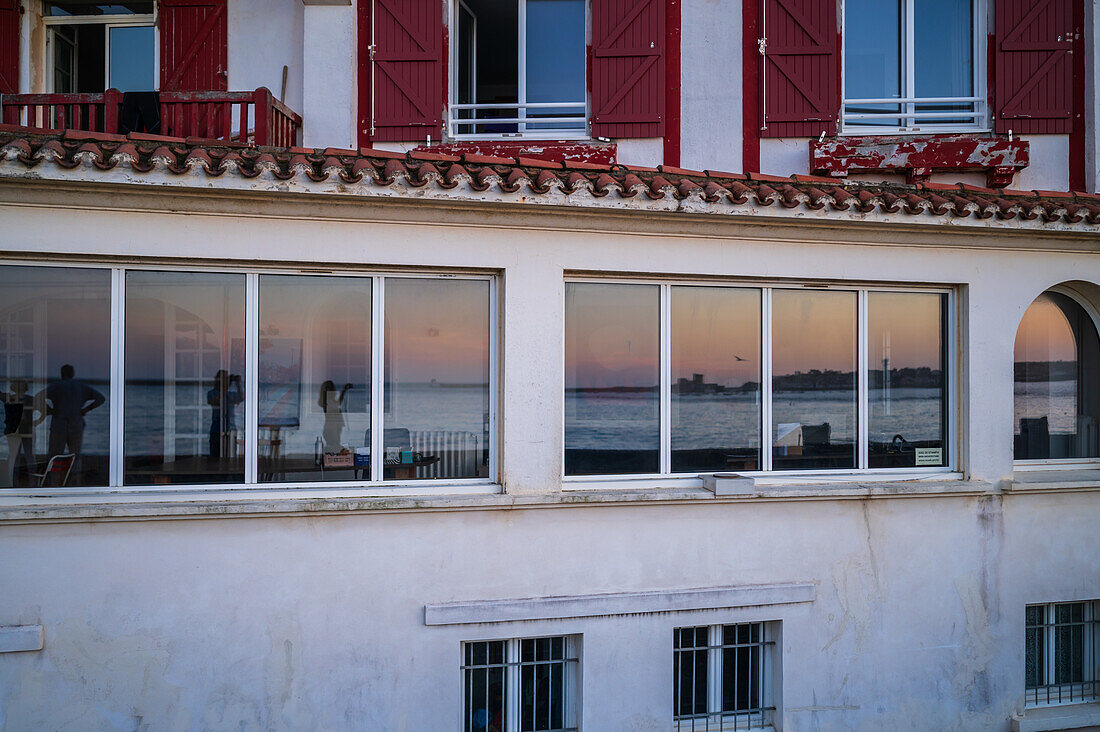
(914, 114)
(546, 120)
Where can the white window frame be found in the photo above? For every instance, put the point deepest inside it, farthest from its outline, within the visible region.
(1091, 643)
(718, 720)
(374, 485)
(1040, 464)
(662, 478)
(982, 121)
(513, 664)
(144, 20)
(455, 123)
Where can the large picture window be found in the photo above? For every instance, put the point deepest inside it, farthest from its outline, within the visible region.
(911, 66)
(685, 379)
(134, 377)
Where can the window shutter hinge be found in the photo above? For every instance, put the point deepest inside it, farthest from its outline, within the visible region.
(370, 51)
(762, 44)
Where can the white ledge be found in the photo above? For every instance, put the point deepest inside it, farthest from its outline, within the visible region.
(17, 638)
(242, 502)
(1057, 718)
(620, 603)
(1055, 480)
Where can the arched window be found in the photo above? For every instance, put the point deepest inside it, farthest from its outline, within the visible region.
(1057, 370)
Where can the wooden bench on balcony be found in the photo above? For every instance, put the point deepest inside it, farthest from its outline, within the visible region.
(255, 117)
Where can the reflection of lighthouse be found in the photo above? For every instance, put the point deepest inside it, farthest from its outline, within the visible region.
(886, 372)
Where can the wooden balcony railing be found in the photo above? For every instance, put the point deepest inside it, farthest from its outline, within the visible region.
(256, 117)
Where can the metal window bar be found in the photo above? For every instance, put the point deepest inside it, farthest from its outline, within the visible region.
(1062, 661)
(720, 674)
(521, 684)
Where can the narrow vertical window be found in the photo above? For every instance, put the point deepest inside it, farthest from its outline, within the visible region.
(814, 396)
(1062, 653)
(314, 407)
(906, 363)
(525, 684)
(436, 379)
(185, 391)
(715, 335)
(55, 368)
(1057, 390)
(612, 379)
(721, 677)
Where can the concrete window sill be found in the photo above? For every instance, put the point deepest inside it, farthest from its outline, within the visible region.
(1055, 480)
(1062, 717)
(241, 503)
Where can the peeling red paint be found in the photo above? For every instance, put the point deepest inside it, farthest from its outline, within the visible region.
(556, 152)
(919, 157)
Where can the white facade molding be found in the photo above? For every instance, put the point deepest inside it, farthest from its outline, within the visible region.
(19, 638)
(619, 603)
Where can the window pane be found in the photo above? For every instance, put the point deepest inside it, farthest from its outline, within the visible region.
(690, 670)
(813, 384)
(131, 62)
(185, 391)
(906, 392)
(436, 391)
(612, 376)
(1069, 642)
(741, 667)
(542, 682)
(944, 51)
(1034, 656)
(715, 379)
(872, 58)
(55, 369)
(555, 60)
(315, 379)
(1057, 394)
(484, 687)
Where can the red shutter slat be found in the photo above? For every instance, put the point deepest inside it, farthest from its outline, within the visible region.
(628, 68)
(194, 45)
(9, 46)
(1034, 67)
(801, 85)
(400, 93)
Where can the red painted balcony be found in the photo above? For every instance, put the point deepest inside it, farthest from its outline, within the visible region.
(255, 117)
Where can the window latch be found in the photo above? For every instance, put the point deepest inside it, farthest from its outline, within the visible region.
(370, 51)
(762, 44)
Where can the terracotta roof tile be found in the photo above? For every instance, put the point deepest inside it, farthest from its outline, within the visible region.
(148, 154)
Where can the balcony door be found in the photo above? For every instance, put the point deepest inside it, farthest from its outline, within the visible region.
(93, 47)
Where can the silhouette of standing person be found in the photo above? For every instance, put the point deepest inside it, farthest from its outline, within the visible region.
(19, 424)
(223, 422)
(69, 400)
(333, 406)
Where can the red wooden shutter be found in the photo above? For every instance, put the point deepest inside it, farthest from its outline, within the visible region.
(628, 68)
(9, 46)
(194, 44)
(801, 70)
(1034, 68)
(401, 80)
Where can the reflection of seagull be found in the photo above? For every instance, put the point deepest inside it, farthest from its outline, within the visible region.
(737, 358)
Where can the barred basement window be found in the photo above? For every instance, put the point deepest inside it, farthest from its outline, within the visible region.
(526, 684)
(722, 677)
(1061, 660)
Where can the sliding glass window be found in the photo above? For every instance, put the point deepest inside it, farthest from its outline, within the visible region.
(55, 368)
(126, 376)
(666, 379)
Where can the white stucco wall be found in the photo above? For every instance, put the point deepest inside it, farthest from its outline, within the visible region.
(645, 151)
(329, 76)
(785, 155)
(264, 36)
(1049, 166)
(711, 88)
